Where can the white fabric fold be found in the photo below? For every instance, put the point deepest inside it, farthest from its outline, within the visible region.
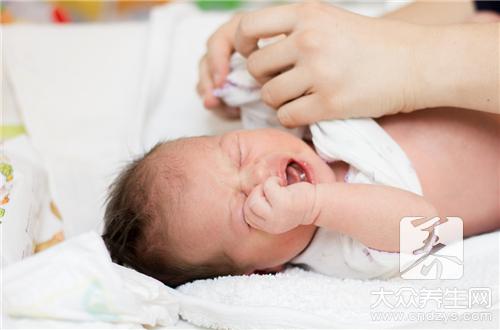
(373, 156)
(76, 282)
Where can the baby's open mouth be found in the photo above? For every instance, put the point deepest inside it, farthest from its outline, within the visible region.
(295, 173)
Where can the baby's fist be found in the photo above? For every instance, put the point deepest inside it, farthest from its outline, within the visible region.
(276, 209)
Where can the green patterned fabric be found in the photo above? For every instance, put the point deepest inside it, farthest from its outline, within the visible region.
(10, 131)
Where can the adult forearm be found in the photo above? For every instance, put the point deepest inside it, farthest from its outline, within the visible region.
(369, 213)
(458, 66)
(434, 12)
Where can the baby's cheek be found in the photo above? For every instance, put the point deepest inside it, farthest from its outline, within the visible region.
(253, 250)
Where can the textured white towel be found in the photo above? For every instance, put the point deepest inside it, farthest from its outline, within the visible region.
(302, 299)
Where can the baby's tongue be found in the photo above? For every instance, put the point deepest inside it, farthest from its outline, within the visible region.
(293, 173)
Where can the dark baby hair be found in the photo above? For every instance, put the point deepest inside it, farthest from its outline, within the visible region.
(134, 230)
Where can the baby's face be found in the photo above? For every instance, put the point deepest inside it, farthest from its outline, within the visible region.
(221, 172)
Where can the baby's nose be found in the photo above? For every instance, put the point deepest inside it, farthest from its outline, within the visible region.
(253, 177)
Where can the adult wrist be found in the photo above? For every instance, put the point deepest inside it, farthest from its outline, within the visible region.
(457, 66)
(430, 70)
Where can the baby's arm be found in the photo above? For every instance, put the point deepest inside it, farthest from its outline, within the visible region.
(368, 213)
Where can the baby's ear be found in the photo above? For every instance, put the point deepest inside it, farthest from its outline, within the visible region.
(270, 270)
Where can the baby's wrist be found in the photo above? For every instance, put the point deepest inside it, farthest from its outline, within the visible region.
(315, 213)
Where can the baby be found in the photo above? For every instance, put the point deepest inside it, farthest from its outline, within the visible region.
(252, 200)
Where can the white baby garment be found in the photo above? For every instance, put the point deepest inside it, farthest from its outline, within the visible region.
(374, 158)
(241, 90)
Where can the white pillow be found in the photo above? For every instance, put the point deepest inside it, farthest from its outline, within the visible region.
(30, 221)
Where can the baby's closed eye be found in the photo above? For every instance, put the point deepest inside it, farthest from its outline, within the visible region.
(240, 152)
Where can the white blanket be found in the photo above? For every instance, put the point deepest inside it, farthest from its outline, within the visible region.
(301, 299)
(75, 284)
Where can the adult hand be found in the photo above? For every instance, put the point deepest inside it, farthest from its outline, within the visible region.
(332, 64)
(214, 67)
(336, 64)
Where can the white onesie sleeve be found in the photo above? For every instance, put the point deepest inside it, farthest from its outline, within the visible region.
(334, 254)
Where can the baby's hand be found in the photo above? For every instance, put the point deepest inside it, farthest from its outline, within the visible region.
(276, 209)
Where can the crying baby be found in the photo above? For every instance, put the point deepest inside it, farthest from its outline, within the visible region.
(197, 207)
(254, 201)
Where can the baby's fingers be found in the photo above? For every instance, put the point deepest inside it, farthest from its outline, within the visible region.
(252, 217)
(274, 191)
(257, 203)
(256, 210)
(254, 220)
(265, 223)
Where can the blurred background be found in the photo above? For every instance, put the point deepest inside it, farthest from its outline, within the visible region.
(78, 11)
